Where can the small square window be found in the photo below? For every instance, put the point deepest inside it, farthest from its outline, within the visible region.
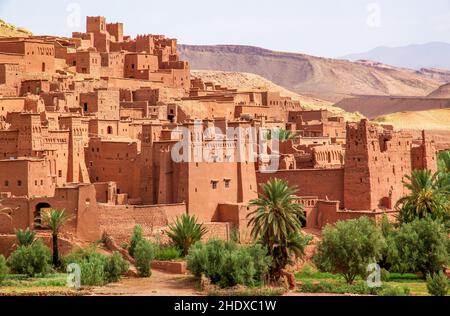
(214, 184)
(227, 183)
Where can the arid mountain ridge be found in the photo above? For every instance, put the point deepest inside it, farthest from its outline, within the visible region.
(317, 77)
(416, 56)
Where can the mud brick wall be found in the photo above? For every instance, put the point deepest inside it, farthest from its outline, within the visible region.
(217, 231)
(119, 221)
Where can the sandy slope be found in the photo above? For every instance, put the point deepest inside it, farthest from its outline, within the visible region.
(430, 120)
(7, 29)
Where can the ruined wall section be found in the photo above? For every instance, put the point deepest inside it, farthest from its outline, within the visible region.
(119, 221)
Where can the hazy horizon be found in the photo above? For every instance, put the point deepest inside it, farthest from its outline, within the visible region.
(322, 28)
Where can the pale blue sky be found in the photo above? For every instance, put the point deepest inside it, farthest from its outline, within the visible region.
(328, 28)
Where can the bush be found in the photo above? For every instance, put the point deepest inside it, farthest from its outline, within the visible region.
(385, 275)
(137, 236)
(31, 260)
(349, 248)
(395, 291)
(167, 253)
(3, 269)
(308, 271)
(25, 237)
(360, 288)
(260, 259)
(437, 285)
(144, 254)
(115, 267)
(185, 232)
(227, 264)
(338, 288)
(93, 270)
(96, 268)
(421, 245)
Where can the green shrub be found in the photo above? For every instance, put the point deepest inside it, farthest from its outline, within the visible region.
(421, 245)
(349, 248)
(437, 285)
(92, 265)
(227, 264)
(307, 271)
(167, 253)
(25, 237)
(385, 275)
(97, 269)
(93, 270)
(115, 267)
(124, 246)
(31, 260)
(3, 269)
(144, 254)
(260, 259)
(360, 288)
(185, 232)
(137, 236)
(395, 291)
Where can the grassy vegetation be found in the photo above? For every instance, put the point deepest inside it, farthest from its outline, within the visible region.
(416, 285)
(246, 291)
(168, 253)
(48, 285)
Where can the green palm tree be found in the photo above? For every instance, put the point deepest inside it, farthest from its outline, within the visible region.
(282, 135)
(55, 220)
(428, 197)
(444, 161)
(276, 221)
(25, 237)
(185, 232)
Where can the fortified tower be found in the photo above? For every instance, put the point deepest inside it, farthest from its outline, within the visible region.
(377, 159)
(76, 169)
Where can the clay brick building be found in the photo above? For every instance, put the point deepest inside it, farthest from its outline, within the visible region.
(89, 124)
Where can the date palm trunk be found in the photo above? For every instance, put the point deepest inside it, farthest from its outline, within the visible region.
(56, 261)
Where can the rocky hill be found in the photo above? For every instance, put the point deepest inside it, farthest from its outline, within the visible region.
(441, 92)
(322, 78)
(9, 30)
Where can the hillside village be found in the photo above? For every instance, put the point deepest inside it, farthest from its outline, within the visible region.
(89, 125)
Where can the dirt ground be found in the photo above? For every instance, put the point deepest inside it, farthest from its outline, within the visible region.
(159, 284)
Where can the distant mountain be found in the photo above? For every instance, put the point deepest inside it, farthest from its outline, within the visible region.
(322, 78)
(251, 82)
(429, 55)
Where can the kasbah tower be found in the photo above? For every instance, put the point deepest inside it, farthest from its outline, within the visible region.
(89, 124)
